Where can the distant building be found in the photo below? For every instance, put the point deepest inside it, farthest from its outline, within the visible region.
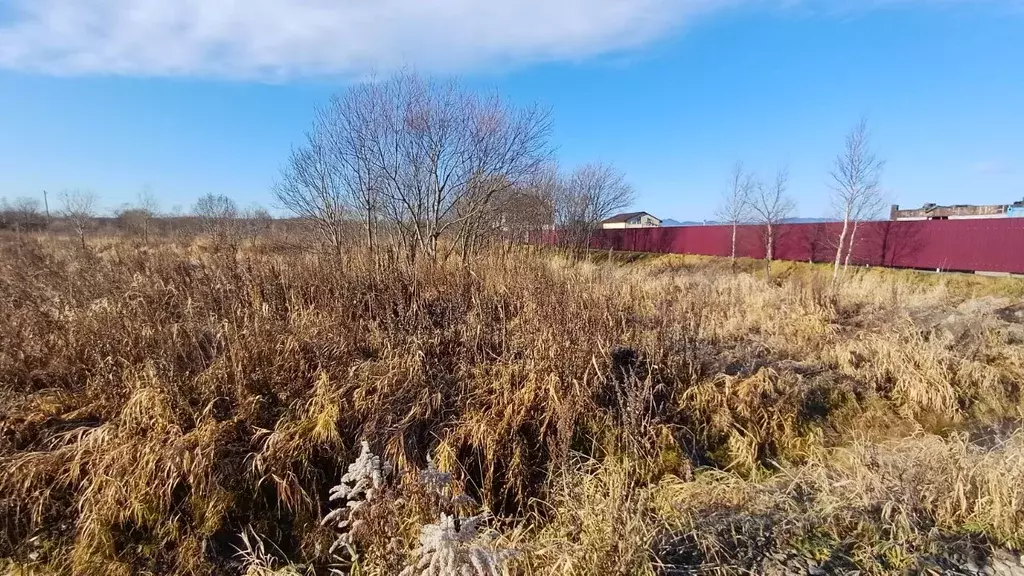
(631, 220)
(958, 212)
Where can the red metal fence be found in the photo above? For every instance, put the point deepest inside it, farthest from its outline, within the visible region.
(989, 245)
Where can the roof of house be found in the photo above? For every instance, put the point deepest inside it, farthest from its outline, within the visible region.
(626, 217)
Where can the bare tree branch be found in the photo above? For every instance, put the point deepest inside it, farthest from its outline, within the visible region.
(79, 208)
(22, 214)
(770, 207)
(735, 206)
(138, 219)
(256, 221)
(312, 184)
(426, 157)
(590, 194)
(218, 217)
(856, 193)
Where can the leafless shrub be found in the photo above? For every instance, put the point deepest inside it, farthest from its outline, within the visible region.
(23, 214)
(219, 218)
(79, 208)
(256, 222)
(312, 185)
(590, 194)
(426, 157)
(139, 219)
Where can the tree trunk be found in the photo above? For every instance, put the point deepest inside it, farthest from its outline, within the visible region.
(413, 252)
(849, 250)
(768, 252)
(332, 236)
(430, 250)
(369, 231)
(732, 257)
(465, 244)
(839, 250)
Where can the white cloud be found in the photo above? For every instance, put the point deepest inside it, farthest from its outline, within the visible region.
(284, 38)
(288, 38)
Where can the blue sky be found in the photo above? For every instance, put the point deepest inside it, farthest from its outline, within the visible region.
(190, 97)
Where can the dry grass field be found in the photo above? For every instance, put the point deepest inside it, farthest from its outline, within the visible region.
(171, 410)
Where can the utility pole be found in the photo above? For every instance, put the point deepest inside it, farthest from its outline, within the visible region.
(46, 203)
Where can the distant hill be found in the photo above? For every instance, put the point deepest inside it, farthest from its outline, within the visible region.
(671, 222)
(806, 220)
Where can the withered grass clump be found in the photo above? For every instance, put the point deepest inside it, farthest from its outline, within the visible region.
(157, 404)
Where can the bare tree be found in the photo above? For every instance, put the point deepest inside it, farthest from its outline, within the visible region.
(149, 210)
(218, 218)
(132, 221)
(23, 214)
(349, 123)
(592, 193)
(546, 189)
(426, 157)
(735, 206)
(256, 221)
(519, 214)
(138, 219)
(770, 206)
(513, 216)
(78, 207)
(872, 207)
(856, 191)
(312, 184)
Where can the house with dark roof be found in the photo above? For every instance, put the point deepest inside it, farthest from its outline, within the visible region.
(631, 220)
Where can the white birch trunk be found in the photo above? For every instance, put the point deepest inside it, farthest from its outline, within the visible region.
(839, 249)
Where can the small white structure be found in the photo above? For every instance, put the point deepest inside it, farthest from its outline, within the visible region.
(631, 220)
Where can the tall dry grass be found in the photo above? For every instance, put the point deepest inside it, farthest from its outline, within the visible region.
(157, 404)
